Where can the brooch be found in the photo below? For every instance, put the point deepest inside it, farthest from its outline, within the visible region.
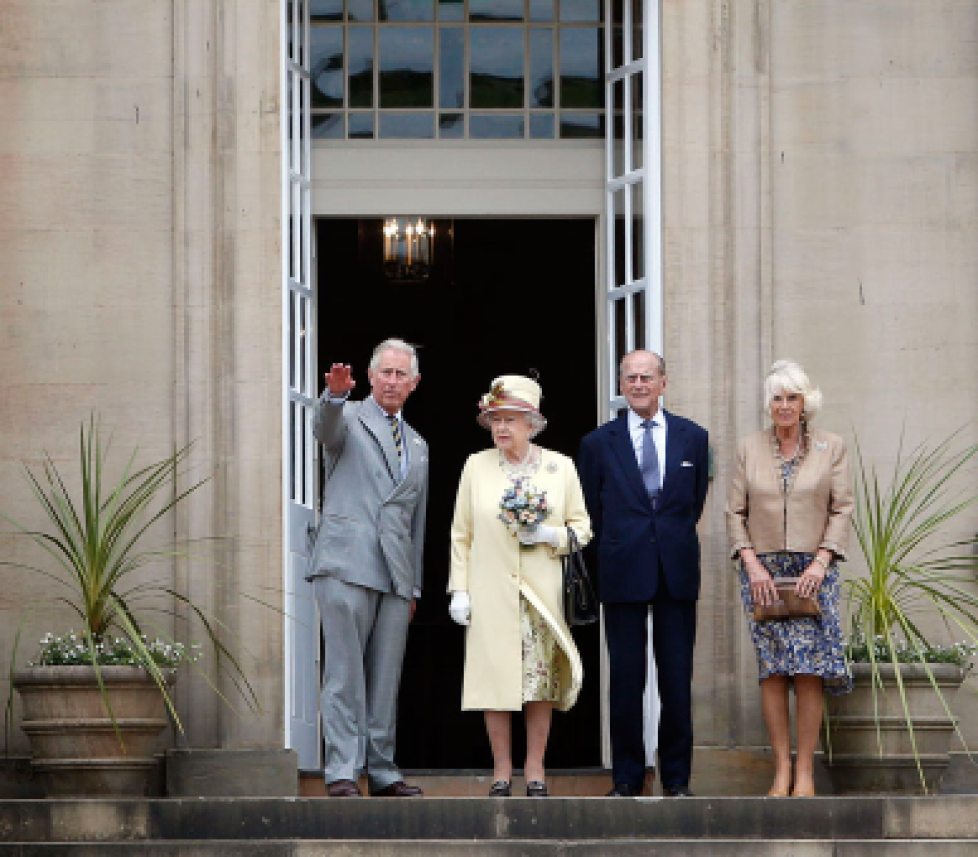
(821, 445)
(552, 467)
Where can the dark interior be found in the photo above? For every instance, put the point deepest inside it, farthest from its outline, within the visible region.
(504, 296)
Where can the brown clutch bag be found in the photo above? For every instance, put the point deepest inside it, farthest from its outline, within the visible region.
(788, 605)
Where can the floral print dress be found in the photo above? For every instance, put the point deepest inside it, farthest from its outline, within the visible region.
(799, 646)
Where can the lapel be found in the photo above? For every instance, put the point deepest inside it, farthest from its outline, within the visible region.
(675, 446)
(621, 444)
(377, 425)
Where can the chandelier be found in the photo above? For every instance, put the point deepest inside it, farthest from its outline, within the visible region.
(409, 248)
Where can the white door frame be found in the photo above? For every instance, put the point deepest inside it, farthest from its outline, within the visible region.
(299, 450)
(633, 193)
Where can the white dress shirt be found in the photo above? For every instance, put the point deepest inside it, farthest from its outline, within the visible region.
(637, 432)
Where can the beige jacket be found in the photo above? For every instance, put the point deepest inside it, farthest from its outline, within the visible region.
(488, 562)
(814, 513)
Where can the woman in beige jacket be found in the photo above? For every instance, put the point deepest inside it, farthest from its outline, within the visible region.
(788, 512)
(505, 579)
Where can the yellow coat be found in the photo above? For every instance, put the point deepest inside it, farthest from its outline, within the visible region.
(488, 562)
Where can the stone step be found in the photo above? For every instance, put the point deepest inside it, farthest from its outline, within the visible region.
(525, 847)
(489, 820)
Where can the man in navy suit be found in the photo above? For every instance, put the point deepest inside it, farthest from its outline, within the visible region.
(645, 477)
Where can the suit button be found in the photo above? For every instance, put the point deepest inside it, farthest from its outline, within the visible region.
(652, 540)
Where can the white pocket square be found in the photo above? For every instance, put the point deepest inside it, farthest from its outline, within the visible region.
(686, 464)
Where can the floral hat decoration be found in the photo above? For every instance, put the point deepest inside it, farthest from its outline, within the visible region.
(513, 393)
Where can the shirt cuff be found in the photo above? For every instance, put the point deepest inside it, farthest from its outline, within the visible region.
(335, 400)
(417, 591)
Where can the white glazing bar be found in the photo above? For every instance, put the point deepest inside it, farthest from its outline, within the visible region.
(652, 157)
(285, 51)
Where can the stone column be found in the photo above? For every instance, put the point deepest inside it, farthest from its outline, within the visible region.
(227, 359)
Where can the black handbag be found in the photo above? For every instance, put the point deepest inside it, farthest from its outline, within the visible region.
(580, 604)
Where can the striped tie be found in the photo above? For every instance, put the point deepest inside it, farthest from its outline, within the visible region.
(398, 443)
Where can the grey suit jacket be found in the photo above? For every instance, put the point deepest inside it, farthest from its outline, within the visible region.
(371, 532)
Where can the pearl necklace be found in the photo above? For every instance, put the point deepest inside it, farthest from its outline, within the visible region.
(527, 466)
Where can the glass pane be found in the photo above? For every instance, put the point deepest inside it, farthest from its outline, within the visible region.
(300, 33)
(636, 29)
(496, 126)
(360, 60)
(361, 126)
(451, 126)
(618, 212)
(638, 233)
(451, 85)
(326, 64)
(542, 67)
(542, 126)
(293, 297)
(407, 67)
(325, 10)
(637, 159)
(290, 78)
(638, 317)
(496, 66)
(495, 10)
(300, 344)
(418, 126)
(327, 126)
(406, 10)
(618, 12)
(541, 10)
(360, 10)
(289, 12)
(451, 10)
(618, 148)
(580, 10)
(581, 61)
(617, 48)
(289, 252)
(292, 449)
(621, 330)
(581, 125)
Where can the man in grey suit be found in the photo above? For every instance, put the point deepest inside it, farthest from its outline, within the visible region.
(367, 565)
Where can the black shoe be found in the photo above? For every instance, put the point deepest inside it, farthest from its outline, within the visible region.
(501, 788)
(536, 788)
(624, 790)
(677, 791)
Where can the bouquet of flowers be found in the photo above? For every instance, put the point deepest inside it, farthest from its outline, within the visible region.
(523, 506)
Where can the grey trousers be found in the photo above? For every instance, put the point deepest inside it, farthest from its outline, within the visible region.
(365, 633)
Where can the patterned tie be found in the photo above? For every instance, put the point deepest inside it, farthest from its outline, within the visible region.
(398, 443)
(650, 463)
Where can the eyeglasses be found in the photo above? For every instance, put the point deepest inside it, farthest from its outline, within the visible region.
(645, 379)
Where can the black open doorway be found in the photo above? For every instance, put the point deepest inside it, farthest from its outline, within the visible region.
(504, 296)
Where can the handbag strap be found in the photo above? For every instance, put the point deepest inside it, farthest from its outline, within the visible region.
(573, 545)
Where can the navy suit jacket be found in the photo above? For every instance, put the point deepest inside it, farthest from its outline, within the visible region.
(634, 542)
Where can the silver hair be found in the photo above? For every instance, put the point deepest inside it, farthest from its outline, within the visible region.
(788, 376)
(659, 357)
(395, 345)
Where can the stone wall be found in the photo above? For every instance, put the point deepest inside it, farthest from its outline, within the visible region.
(821, 203)
(140, 221)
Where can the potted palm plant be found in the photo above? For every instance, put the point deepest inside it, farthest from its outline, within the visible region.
(96, 698)
(893, 733)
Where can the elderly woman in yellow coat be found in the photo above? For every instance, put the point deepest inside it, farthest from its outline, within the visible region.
(506, 582)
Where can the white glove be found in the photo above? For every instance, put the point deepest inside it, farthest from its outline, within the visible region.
(541, 534)
(460, 609)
